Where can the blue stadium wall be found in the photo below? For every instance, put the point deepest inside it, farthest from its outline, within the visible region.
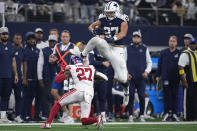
(152, 36)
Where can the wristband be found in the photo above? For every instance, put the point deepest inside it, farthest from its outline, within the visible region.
(181, 72)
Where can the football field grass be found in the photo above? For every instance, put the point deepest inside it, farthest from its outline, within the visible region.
(107, 127)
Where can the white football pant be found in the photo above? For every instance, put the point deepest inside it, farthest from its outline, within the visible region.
(76, 96)
(116, 55)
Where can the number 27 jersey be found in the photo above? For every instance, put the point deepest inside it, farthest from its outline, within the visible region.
(83, 76)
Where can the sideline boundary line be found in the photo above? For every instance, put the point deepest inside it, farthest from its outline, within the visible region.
(108, 123)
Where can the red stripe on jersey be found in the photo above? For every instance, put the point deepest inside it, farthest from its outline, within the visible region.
(67, 94)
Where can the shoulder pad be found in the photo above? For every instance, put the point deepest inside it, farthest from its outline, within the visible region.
(101, 16)
(124, 17)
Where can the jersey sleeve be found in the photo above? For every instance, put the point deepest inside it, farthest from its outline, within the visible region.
(101, 16)
(125, 18)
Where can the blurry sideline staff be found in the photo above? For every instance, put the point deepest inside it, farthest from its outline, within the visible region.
(188, 73)
(186, 37)
(46, 71)
(18, 53)
(139, 64)
(62, 57)
(7, 65)
(168, 71)
(100, 88)
(30, 81)
(40, 44)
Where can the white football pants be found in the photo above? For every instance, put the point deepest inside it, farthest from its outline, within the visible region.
(76, 96)
(116, 55)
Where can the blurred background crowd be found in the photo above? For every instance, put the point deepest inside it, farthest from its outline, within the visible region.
(140, 12)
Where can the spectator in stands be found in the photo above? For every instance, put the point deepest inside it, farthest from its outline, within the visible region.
(191, 7)
(87, 11)
(75, 10)
(130, 8)
(168, 71)
(187, 72)
(138, 72)
(19, 56)
(179, 9)
(7, 65)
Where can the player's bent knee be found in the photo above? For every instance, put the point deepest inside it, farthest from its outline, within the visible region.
(97, 40)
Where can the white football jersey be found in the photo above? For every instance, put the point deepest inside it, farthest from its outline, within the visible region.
(83, 76)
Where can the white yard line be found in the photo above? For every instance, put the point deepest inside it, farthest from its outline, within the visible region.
(108, 123)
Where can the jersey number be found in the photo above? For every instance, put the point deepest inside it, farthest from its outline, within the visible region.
(82, 72)
(111, 31)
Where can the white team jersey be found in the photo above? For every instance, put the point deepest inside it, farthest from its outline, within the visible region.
(83, 77)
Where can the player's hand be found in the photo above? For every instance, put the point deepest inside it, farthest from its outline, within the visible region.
(145, 75)
(41, 83)
(185, 85)
(102, 36)
(115, 81)
(24, 82)
(157, 79)
(97, 31)
(16, 79)
(106, 63)
(129, 76)
(52, 58)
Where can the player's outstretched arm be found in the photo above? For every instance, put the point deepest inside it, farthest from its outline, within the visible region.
(63, 75)
(98, 76)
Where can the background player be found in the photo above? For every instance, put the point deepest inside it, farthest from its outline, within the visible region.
(110, 42)
(83, 78)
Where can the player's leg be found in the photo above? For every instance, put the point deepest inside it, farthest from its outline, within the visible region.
(99, 43)
(120, 68)
(70, 97)
(55, 93)
(85, 112)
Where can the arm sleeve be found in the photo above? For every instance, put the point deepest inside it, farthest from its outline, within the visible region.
(183, 60)
(148, 61)
(60, 77)
(40, 65)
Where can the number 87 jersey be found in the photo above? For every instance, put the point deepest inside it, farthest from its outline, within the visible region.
(83, 76)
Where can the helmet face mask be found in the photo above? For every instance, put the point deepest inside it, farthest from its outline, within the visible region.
(111, 10)
(110, 15)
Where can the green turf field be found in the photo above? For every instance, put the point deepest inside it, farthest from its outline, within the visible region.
(130, 127)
